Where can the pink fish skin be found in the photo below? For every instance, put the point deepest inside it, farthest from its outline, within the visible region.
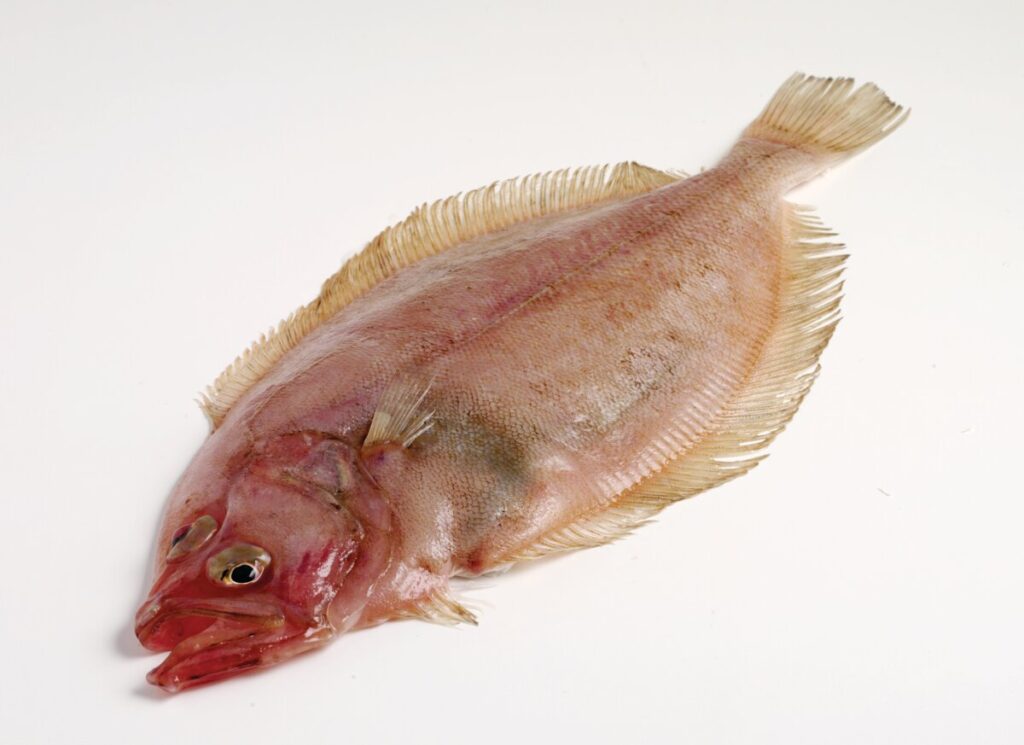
(546, 384)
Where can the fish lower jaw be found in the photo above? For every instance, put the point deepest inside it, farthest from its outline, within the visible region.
(226, 649)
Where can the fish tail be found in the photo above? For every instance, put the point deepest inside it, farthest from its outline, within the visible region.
(826, 117)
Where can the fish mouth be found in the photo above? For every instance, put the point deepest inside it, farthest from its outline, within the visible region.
(162, 624)
(210, 639)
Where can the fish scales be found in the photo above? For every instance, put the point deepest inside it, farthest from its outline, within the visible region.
(611, 286)
(538, 367)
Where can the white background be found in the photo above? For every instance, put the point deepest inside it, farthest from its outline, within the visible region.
(175, 177)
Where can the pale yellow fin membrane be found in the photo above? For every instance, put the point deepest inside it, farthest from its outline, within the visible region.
(401, 415)
(826, 113)
(429, 230)
(439, 607)
(808, 313)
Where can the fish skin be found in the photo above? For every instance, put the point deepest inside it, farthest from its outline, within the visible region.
(558, 364)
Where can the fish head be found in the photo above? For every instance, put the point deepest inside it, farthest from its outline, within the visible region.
(263, 563)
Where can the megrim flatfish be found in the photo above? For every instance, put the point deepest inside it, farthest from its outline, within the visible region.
(536, 366)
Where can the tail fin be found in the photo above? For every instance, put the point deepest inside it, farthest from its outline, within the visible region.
(822, 115)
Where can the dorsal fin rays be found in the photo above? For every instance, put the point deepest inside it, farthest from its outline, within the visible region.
(429, 230)
(736, 442)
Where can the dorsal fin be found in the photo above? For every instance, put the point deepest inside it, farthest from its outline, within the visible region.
(429, 230)
(736, 442)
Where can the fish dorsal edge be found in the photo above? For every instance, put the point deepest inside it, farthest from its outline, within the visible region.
(427, 231)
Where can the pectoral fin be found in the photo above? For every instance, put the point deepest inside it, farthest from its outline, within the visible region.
(402, 414)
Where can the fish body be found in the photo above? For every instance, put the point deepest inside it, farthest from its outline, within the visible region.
(533, 367)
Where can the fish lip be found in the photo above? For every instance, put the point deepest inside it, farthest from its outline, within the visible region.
(184, 667)
(251, 613)
(173, 673)
(224, 651)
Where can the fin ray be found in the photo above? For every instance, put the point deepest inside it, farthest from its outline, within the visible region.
(441, 608)
(827, 114)
(400, 416)
(736, 443)
(429, 230)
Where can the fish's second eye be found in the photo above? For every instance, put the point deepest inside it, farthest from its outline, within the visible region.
(188, 538)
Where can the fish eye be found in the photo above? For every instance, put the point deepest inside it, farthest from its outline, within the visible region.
(243, 574)
(242, 564)
(188, 538)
